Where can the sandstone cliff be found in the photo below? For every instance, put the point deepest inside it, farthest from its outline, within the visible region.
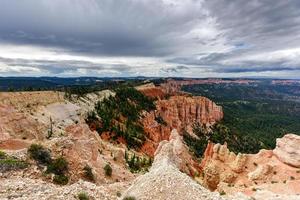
(276, 171)
(83, 147)
(25, 122)
(178, 112)
(152, 91)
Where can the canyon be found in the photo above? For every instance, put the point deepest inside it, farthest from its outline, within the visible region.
(58, 123)
(178, 112)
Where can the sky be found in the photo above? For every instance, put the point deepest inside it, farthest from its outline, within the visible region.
(184, 38)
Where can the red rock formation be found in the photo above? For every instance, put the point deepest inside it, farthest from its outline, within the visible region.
(155, 92)
(83, 147)
(276, 171)
(178, 112)
(152, 91)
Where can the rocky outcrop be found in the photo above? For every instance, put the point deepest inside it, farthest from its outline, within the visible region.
(287, 149)
(18, 125)
(83, 147)
(164, 180)
(30, 101)
(221, 165)
(269, 170)
(152, 91)
(178, 112)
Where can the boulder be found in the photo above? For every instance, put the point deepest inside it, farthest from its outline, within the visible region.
(287, 149)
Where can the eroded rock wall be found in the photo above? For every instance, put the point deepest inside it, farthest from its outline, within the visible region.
(164, 180)
(178, 112)
(272, 170)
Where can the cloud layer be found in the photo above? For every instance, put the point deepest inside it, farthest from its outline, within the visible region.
(195, 38)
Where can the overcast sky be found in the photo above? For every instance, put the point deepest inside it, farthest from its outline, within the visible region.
(190, 38)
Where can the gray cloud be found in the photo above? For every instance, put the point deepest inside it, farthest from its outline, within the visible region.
(176, 69)
(265, 36)
(63, 66)
(99, 27)
(215, 36)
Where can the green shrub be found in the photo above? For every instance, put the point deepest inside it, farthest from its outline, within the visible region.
(61, 179)
(2, 155)
(39, 154)
(107, 170)
(129, 198)
(160, 120)
(83, 196)
(58, 166)
(119, 194)
(88, 173)
(9, 164)
(136, 163)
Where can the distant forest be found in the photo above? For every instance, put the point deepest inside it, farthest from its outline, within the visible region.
(76, 84)
(255, 114)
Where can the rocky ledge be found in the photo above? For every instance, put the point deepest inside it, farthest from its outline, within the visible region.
(165, 181)
(287, 149)
(276, 171)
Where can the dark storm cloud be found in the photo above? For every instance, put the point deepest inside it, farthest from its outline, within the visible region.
(99, 27)
(265, 23)
(217, 36)
(256, 29)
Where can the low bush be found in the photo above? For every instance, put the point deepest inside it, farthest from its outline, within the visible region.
(88, 173)
(107, 170)
(129, 198)
(61, 179)
(83, 196)
(2, 155)
(119, 194)
(8, 164)
(40, 154)
(58, 166)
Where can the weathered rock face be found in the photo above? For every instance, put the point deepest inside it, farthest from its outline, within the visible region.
(274, 171)
(221, 165)
(178, 112)
(83, 147)
(152, 91)
(17, 125)
(164, 180)
(287, 149)
(30, 101)
(181, 111)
